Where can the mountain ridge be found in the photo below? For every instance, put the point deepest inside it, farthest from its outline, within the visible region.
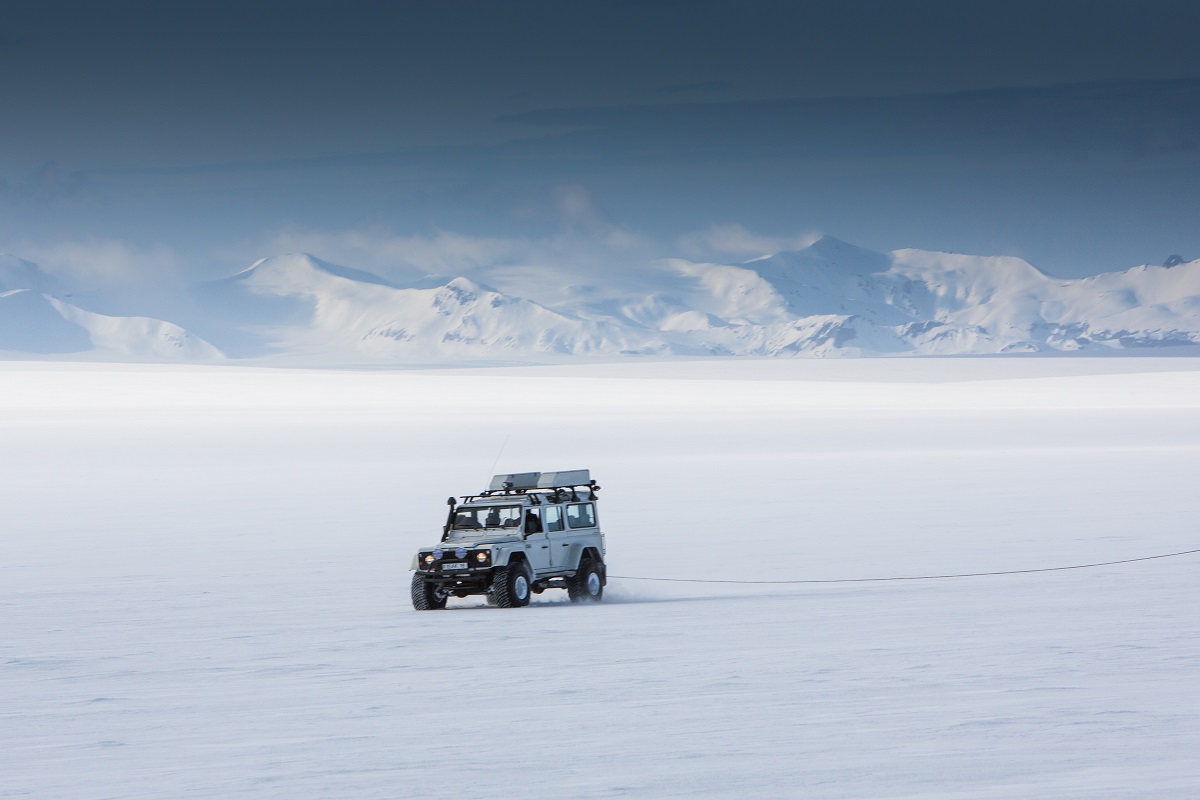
(32, 322)
(828, 299)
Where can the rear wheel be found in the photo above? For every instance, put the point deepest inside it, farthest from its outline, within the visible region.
(587, 584)
(424, 598)
(511, 585)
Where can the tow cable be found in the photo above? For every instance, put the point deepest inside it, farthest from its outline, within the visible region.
(915, 577)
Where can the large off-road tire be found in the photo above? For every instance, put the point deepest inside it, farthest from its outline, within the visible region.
(511, 585)
(424, 598)
(587, 585)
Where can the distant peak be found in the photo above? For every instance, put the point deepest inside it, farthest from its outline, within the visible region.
(465, 284)
(289, 262)
(833, 254)
(831, 246)
(280, 262)
(468, 285)
(827, 242)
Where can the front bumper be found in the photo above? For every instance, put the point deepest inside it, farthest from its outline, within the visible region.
(477, 579)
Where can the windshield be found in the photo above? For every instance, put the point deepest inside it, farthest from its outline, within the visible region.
(470, 519)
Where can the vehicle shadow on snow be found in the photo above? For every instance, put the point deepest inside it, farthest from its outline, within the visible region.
(615, 599)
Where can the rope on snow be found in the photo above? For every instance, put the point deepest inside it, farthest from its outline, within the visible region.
(916, 577)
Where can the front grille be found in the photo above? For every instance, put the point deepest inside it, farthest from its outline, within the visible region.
(449, 557)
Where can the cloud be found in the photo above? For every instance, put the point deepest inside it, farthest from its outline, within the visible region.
(392, 254)
(585, 255)
(97, 263)
(585, 236)
(575, 207)
(579, 214)
(735, 240)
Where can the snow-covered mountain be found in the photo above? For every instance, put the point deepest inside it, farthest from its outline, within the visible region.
(1005, 304)
(828, 299)
(299, 304)
(35, 319)
(32, 322)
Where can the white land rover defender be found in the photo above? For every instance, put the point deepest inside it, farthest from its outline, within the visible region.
(530, 531)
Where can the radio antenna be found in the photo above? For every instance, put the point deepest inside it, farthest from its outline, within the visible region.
(492, 471)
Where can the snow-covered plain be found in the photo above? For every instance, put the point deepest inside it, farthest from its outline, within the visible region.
(203, 582)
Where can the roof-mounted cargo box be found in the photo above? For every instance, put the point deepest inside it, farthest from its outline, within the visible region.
(522, 481)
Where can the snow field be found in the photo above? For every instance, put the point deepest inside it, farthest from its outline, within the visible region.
(203, 583)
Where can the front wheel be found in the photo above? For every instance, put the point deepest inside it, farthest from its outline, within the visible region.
(511, 586)
(587, 585)
(424, 597)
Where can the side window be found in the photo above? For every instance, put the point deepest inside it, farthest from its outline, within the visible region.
(581, 515)
(533, 522)
(554, 518)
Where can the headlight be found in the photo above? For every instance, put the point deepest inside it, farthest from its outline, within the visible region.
(428, 558)
(481, 557)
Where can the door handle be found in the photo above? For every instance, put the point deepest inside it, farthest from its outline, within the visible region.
(545, 546)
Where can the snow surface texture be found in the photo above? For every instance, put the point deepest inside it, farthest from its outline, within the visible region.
(204, 586)
(829, 299)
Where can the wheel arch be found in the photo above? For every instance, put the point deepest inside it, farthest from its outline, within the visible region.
(589, 552)
(513, 557)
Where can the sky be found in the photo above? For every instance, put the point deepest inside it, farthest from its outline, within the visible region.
(173, 142)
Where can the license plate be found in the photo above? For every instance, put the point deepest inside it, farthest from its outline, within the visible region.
(456, 565)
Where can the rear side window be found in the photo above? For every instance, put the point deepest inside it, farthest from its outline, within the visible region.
(581, 515)
(554, 519)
